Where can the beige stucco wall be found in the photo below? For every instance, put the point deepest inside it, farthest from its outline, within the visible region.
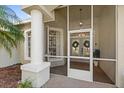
(107, 40)
(24, 27)
(6, 60)
(60, 22)
(17, 55)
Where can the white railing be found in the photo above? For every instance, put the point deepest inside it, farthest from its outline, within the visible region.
(79, 57)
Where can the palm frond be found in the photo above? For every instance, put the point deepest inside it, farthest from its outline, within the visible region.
(10, 35)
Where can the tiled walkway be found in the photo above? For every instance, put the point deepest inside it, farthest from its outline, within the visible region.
(60, 81)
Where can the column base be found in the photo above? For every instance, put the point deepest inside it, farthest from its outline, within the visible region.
(38, 74)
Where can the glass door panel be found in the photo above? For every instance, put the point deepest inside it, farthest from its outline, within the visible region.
(80, 44)
(80, 55)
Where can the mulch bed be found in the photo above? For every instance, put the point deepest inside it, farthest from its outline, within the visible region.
(10, 76)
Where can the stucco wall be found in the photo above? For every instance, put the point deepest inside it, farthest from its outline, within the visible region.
(107, 40)
(60, 22)
(24, 27)
(6, 60)
(17, 54)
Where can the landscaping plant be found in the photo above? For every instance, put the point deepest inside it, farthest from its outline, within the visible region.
(10, 34)
(25, 84)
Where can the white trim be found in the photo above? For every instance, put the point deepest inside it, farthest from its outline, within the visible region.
(56, 56)
(47, 36)
(68, 45)
(81, 30)
(116, 25)
(78, 57)
(104, 59)
(25, 45)
(68, 53)
(77, 74)
(91, 44)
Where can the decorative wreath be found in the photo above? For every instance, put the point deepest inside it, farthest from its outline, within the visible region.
(75, 44)
(87, 43)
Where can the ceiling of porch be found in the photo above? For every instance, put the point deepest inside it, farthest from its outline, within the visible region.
(85, 13)
(74, 10)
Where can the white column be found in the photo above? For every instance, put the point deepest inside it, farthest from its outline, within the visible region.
(37, 37)
(38, 71)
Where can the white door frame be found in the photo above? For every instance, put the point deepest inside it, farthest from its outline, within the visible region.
(81, 74)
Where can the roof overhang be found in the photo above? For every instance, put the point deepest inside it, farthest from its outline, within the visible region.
(47, 10)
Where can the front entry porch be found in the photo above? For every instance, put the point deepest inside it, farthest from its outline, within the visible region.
(80, 37)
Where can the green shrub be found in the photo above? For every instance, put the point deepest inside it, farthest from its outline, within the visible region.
(25, 84)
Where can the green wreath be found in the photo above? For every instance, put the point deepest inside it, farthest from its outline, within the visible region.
(87, 43)
(75, 44)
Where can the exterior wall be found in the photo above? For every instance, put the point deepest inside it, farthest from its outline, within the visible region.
(107, 40)
(24, 27)
(96, 32)
(17, 54)
(120, 46)
(60, 22)
(6, 60)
